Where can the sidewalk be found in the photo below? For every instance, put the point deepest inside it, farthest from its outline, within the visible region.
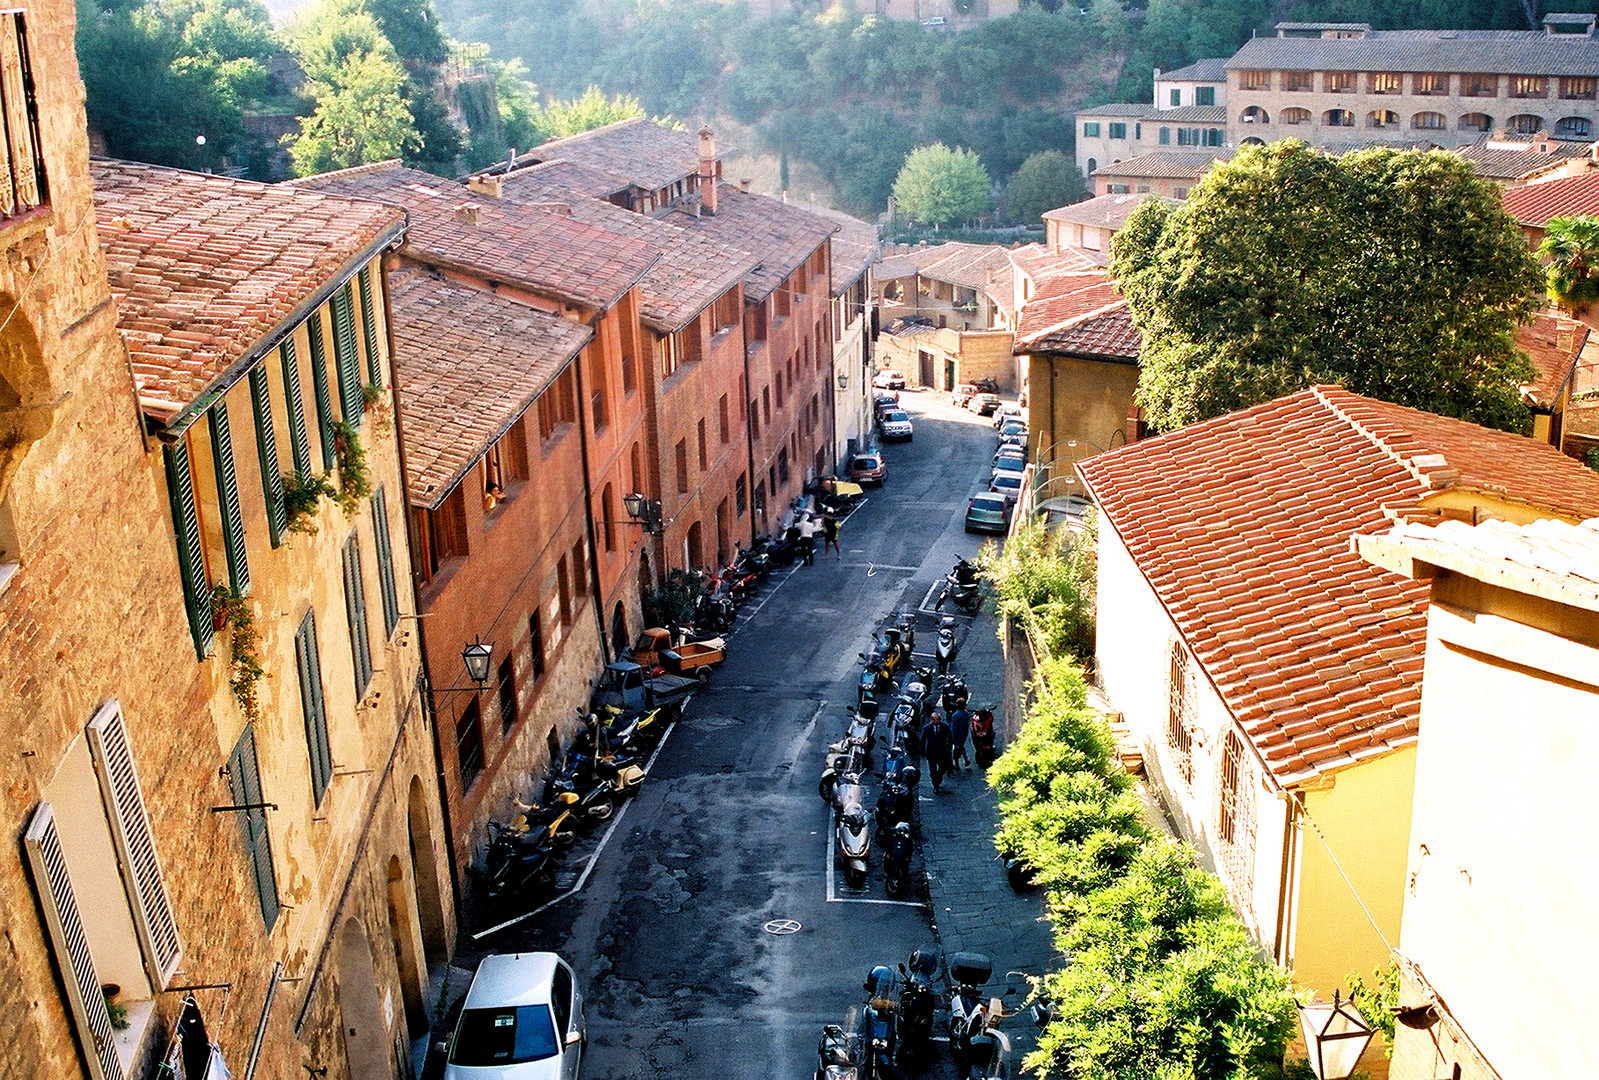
(974, 907)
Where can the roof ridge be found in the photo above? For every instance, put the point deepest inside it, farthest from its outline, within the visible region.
(1078, 320)
(317, 179)
(1428, 475)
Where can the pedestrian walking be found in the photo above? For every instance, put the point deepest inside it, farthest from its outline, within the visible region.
(830, 535)
(936, 748)
(960, 722)
(807, 528)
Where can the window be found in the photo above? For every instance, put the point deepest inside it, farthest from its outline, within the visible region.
(723, 534)
(755, 419)
(682, 466)
(725, 312)
(782, 467)
(1254, 115)
(244, 784)
(1295, 116)
(1237, 816)
(1479, 86)
(1428, 121)
(1118, 131)
(1091, 130)
(760, 498)
(1338, 82)
(1385, 82)
(599, 403)
(355, 611)
(556, 404)
(694, 547)
(447, 530)
(266, 447)
(1179, 193)
(682, 347)
(724, 427)
(1299, 81)
(1529, 86)
(1578, 89)
(629, 376)
(345, 357)
(505, 683)
(561, 998)
(1476, 121)
(1430, 85)
(1092, 166)
(705, 460)
(782, 300)
(1138, 131)
(1573, 127)
(739, 494)
(1254, 80)
(385, 546)
(1525, 124)
(469, 743)
(25, 187)
(1176, 97)
(228, 508)
(491, 471)
(1116, 189)
(514, 442)
(1214, 136)
(191, 548)
(369, 327)
(1180, 710)
(1338, 118)
(1205, 95)
(635, 468)
(535, 643)
(1382, 118)
(608, 516)
(299, 440)
(755, 324)
(313, 707)
(1165, 136)
(319, 383)
(766, 403)
(580, 573)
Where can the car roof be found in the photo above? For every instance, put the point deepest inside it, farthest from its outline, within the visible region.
(988, 497)
(867, 457)
(1008, 480)
(898, 414)
(506, 979)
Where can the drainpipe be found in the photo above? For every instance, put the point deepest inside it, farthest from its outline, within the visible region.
(588, 498)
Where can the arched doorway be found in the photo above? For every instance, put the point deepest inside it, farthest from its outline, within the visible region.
(366, 1037)
(425, 876)
(619, 639)
(406, 935)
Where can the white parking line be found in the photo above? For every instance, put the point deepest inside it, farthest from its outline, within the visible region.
(834, 899)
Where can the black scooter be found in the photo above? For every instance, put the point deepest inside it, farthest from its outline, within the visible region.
(897, 859)
(917, 1002)
(519, 869)
(960, 586)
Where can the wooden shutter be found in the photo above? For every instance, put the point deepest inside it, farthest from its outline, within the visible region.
(266, 446)
(355, 608)
(228, 497)
(191, 550)
(369, 328)
(345, 356)
(294, 403)
(78, 976)
(380, 532)
(309, 664)
(244, 780)
(130, 831)
(319, 382)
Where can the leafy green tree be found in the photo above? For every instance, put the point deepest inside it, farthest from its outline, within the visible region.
(939, 185)
(1395, 274)
(1571, 248)
(360, 113)
(1046, 180)
(589, 110)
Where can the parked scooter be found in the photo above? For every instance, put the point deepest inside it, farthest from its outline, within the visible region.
(906, 625)
(954, 694)
(960, 586)
(841, 1053)
(988, 1057)
(917, 1002)
(983, 738)
(880, 1025)
(969, 1011)
(519, 868)
(947, 645)
(556, 823)
(893, 806)
(593, 797)
(854, 837)
(897, 859)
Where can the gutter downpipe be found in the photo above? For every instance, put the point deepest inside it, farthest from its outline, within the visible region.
(588, 499)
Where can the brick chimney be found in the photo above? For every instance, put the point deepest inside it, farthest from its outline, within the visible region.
(485, 185)
(707, 171)
(468, 213)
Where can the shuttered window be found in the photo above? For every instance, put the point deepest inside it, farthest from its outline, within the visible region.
(78, 975)
(228, 497)
(345, 357)
(244, 780)
(380, 533)
(135, 845)
(308, 663)
(355, 608)
(266, 446)
(319, 382)
(191, 549)
(369, 327)
(295, 403)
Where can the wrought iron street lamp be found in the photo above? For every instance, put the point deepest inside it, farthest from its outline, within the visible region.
(645, 512)
(1335, 1037)
(476, 657)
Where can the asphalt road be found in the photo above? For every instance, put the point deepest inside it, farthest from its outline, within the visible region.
(728, 834)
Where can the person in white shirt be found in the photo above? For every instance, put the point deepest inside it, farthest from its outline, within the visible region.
(808, 529)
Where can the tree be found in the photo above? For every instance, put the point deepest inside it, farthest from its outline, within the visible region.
(1046, 180)
(1395, 274)
(592, 109)
(940, 185)
(357, 85)
(1571, 246)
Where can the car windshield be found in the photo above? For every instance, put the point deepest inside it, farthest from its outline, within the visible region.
(507, 1036)
(1014, 464)
(897, 417)
(989, 503)
(1007, 481)
(864, 463)
(1013, 428)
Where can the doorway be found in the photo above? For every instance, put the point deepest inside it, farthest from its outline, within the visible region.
(924, 366)
(406, 935)
(425, 878)
(366, 1037)
(619, 639)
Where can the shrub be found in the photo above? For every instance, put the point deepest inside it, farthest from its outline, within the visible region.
(1045, 578)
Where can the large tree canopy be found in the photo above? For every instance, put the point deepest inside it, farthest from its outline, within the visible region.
(1045, 180)
(940, 185)
(1396, 274)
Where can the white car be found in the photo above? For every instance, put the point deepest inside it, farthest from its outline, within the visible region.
(889, 379)
(522, 1020)
(896, 425)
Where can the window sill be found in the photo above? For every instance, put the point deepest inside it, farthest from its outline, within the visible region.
(130, 1040)
(8, 571)
(14, 230)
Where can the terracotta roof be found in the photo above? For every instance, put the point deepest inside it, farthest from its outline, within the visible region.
(643, 153)
(1060, 301)
(551, 254)
(209, 271)
(1506, 163)
(781, 236)
(1164, 164)
(1129, 109)
(1552, 559)
(1536, 205)
(904, 264)
(1106, 334)
(1242, 527)
(693, 270)
(1041, 263)
(1102, 211)
(467, 362)
(970, 265)
(1210, 69)
(571, 175)
(855, 245)
(1553, 343)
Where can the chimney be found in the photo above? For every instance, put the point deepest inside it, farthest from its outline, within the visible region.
(485, 185)
(1566, 339)
(469, 213)
(744, 184)
(707, 171)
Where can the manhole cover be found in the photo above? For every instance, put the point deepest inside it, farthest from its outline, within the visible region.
(779, 927)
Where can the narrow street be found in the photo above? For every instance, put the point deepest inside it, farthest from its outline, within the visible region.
(728, 834)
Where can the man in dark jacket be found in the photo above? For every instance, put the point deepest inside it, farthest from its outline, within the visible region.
(936, 745)
(960, 722)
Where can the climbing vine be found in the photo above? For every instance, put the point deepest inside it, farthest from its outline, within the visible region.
(355, 481)
(230, 610)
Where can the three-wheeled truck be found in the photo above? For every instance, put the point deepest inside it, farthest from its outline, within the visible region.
(658, 647)
(627, 687)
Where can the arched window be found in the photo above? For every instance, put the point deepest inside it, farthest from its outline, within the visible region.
(1525, 124)
(1382, 118)
(24, 416)
(1338, 118)
(1254, 115)
(1252, 140)
(1294, 116)
(1092, 165)
(1428, 121)
(1476, 121)
(693, 549)
(1180, 710)
(1573, 127)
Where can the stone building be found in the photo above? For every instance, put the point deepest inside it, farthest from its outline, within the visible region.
(1090, 224)
(1171, 174)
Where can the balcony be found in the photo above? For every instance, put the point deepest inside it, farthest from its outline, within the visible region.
(22, 179)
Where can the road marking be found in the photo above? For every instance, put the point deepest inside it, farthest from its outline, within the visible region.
(874, 567)
(782, 927)
(833, 899)
(594, 858)
(772, 593)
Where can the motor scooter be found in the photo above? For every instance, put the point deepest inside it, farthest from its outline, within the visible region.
(897, 859)
(880, 1023)
(947, 645)
(983, 738)
(917, 1002)
(954, 693)
(854, 837)
(960, 586)
(893, 806)
(519, 868)
(969, 1011)
(841, 1053)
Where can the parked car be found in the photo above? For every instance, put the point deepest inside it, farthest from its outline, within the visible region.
(989, 512)
(886, 403)
(1010, 450)
(522, 1020)
(1007, 412)
(962, 394)
(1014, 433)
(1009, 463)
(889, 379)
(896, 425)
(867, 469)
(935, 21)
(1008, 485)
(983, 404)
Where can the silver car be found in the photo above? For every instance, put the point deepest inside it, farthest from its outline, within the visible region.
(522, 1020)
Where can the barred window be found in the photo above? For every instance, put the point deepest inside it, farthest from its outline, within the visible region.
(1237, 814)
(1180, 712)
(1254, 80)
(1385, 82)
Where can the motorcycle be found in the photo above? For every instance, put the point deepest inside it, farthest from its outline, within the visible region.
(519, 868)
(893, 807)
(897, 859)
(589, 797)
(556, 823)
(969, 1012)
(854, 836)
(947, 645)
(881, 1021)
(917, 1001)
(955, 695)
(715, 612)
(840, 1053)
(988, 1057)
(900, 767)
(983, 738)
(960, 585)
(778, 550)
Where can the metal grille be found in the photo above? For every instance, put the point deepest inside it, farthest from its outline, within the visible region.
(130, 828)
(1237, 817)
(22, 179)
(228, 497)
(1180, 711)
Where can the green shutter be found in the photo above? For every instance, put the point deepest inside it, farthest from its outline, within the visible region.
(345, 356)
(266, 447)
(369, 328)
(299, 441)
(308, 661)
(244, 780)
(191, 549)
(324, 401)
(228, 497)
(355, 609)
(380, 530)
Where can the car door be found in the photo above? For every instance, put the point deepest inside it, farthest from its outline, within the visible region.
(568, 1010)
